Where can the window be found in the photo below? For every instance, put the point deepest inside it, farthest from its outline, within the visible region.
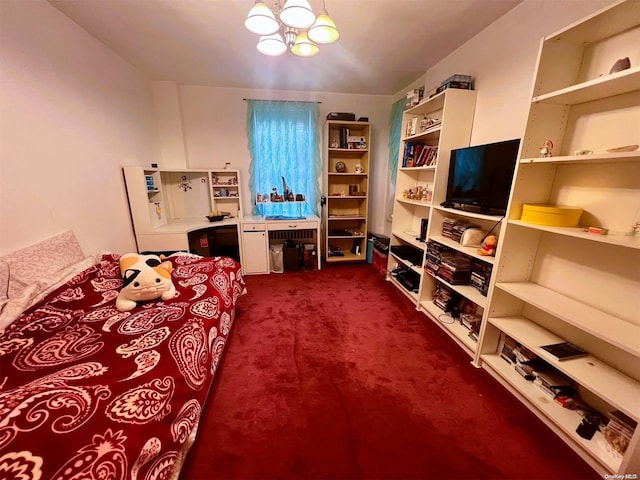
(284, 146)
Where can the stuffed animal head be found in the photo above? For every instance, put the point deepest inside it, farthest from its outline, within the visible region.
(491, 240)
(144, 277)
(489, 245)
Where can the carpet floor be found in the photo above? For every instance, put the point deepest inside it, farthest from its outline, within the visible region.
(333, 374)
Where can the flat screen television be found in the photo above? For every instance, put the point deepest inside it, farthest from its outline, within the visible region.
(480, 177)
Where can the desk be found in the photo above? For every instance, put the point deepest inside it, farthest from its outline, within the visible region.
(258, 231)
(174, 235)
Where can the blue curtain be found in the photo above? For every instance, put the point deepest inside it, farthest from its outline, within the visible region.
(284, 141)
(394, 137)
(395, 127)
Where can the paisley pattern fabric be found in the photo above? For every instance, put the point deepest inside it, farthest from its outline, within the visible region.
(118, 393)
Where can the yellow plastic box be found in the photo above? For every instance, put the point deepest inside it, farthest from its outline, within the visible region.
(551, 215)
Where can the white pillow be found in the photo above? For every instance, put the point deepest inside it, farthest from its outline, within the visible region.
(40, 263)
(32, 294)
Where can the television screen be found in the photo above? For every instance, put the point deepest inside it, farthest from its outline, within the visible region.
(480, 177)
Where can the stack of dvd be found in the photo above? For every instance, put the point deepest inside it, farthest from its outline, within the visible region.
(447, 227)
(480, 275)
(455, 267)
(453, 228)
(434, 257)
(445, 298)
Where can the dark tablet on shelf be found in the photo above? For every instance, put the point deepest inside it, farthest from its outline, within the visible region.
(564, 350)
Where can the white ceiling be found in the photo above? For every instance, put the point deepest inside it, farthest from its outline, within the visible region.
(384, 45)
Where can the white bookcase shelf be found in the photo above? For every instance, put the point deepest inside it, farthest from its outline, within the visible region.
(621, 391)
(553, 414)
(556, 284)
(616, 84)
(452, 112)
(618, 332)
(455, 329)
(345, 211)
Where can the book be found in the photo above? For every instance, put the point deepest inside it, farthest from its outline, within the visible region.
(564, 351)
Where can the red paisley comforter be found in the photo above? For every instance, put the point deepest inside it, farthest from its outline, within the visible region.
(87, 392)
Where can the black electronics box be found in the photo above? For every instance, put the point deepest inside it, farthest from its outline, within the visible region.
(345, 117)
(293, 255)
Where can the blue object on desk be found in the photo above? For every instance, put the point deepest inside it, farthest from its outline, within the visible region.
(283, 217)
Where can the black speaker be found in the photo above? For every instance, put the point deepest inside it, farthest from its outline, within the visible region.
(423, 229)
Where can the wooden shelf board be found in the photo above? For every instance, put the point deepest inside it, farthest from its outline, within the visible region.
(346, 174)
(432, 132)
(348, 257)
(609, 328)
(466, 291)
(417, 169)
(565, 419)
(410, 239)
(345, 236)
(600, 25)
(602, 87)
(428, 105)
(617, 389)
(347, 217)
(463, 213)
(605, 157)
(349, 150)
(416, 268)
(455, 329)
(613, 238)
(471, 251)
(410, 295)
(351, 197)
(418, 203)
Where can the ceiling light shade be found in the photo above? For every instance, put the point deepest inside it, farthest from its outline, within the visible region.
(292, 27)
(297, 14)
(261, 20)
(303, 46)
(272, 45)
(324, 30)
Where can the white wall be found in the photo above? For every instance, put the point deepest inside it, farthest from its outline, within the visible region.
(502, 59)
(71, 114)
(213, 126)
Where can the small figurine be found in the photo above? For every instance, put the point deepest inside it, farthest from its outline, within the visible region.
(489, 245)
(546, 149)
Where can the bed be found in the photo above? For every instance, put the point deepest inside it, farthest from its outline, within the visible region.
(88, 392)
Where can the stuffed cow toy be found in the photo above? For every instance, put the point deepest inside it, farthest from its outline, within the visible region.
(144, 277)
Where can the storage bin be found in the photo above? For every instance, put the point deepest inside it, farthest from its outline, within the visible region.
(276, 258)
(551, 215)
(380, 262)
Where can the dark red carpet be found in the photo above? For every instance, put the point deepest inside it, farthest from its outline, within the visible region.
(333, 374)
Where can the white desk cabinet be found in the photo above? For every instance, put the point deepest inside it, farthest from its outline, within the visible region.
(259, 231)
(255, 249)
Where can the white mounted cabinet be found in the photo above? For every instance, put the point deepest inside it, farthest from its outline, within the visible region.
(168, 205)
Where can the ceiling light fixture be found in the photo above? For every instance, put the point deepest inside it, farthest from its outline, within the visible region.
(292, 27)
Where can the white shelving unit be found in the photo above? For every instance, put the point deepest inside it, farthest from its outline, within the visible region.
(346, 190)
(558, 284)
(452, 111)
(177, 202)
